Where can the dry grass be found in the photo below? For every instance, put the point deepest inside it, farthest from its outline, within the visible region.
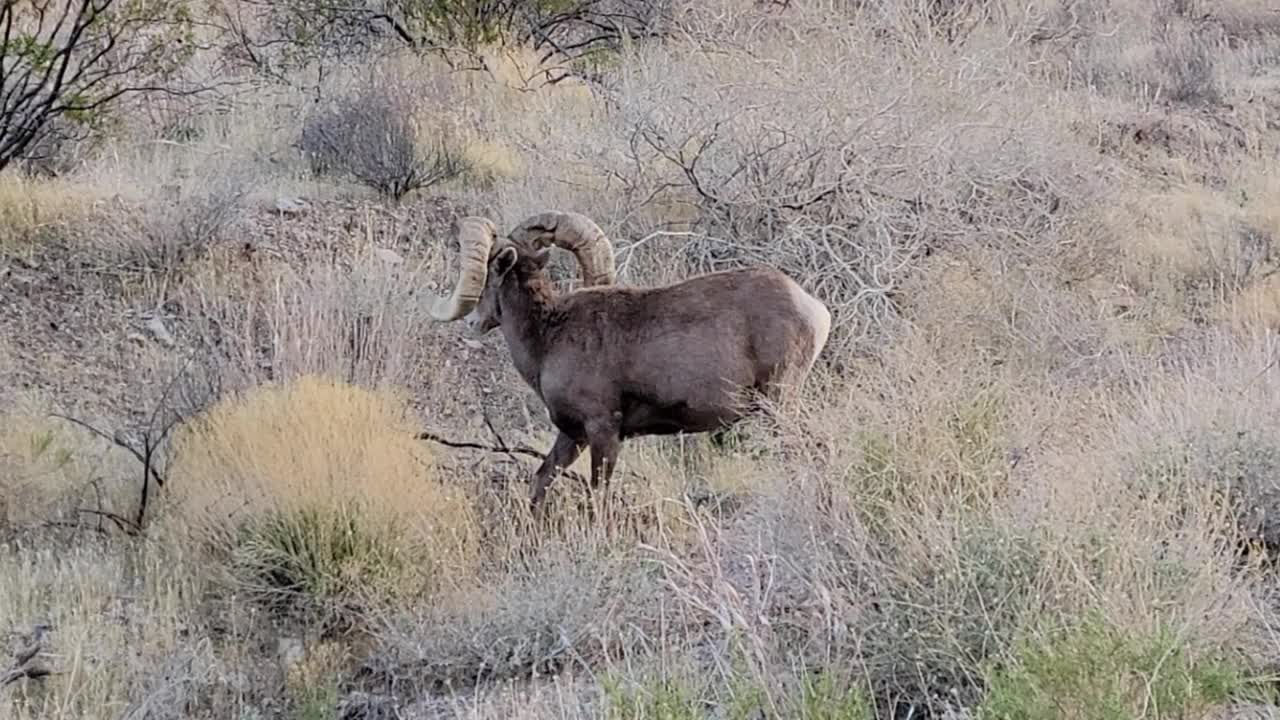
(52, 471)
(358, 314)
(1035, 453)
(31, 209)
(119, 618)
(305, 483)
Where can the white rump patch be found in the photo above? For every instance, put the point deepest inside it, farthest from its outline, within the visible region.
(817, 314)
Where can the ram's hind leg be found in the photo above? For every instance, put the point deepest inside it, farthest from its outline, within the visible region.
(604, 436)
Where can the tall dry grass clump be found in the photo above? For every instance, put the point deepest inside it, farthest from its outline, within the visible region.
(123, 619)
(33, 209)
(359, 314)
(319, 487)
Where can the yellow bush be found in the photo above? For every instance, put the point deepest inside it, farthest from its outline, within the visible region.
(1188, 233)
(321, 486)
(28, 207)
(490, 161)
(1257, 307)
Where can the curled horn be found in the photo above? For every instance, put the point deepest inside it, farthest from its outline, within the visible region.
(475, 239)
(576, 233)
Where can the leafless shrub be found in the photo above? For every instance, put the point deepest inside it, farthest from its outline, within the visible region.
(848, 202)
(1162, 52)
(363, 323)
(179, 220)
(1184, 68)
(380, 135)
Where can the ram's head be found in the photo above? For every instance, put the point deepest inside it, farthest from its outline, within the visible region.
(486, 261)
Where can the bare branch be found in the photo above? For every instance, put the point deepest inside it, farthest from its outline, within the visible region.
(119, 442)
(30, 672)
(93, 53)
(123, 523)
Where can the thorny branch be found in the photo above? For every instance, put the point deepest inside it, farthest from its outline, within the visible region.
(71, 63)
(462, 444)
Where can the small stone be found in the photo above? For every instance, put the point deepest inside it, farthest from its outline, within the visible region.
(391, 257)
(289, 652)
(291, 206)
(161, 333)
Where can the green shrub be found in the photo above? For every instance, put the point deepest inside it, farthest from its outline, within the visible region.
(1096, 671)
(664, 698)
(823, 697)
(323, 554)
(942, 617)
(813, 696)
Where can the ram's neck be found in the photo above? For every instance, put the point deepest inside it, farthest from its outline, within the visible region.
(526, 315)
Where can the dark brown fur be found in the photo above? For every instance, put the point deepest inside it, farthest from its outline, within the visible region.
(612, 363)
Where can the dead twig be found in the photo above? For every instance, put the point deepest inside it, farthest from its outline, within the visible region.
(146, 449)
(118, 442)
(502, 449)
(28, 649)
(31, 672)
(125, 525)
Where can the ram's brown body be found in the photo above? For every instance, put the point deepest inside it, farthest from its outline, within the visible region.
(616, 362)
(657, 360)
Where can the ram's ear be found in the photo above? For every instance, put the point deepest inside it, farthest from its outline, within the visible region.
(504, 261)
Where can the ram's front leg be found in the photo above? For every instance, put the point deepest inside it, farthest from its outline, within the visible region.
(564, 451)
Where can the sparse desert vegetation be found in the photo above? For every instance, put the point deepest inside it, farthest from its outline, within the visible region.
(1034, 476)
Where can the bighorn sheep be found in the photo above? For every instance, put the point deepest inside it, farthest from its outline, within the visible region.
(610, 362)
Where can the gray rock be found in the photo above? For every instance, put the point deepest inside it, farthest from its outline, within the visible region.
(160, 332)
(289, 652)
(291, 206)
(390, 257)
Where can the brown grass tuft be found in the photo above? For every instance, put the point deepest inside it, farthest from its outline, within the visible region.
(33, 209)
(301, 467)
